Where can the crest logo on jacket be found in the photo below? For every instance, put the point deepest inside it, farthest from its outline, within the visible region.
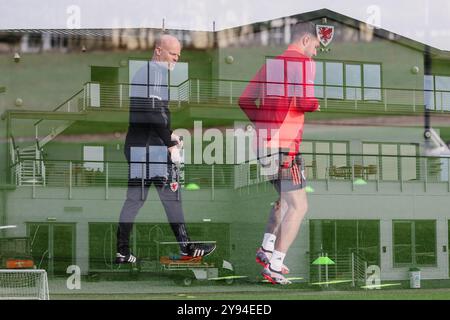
(174, 186)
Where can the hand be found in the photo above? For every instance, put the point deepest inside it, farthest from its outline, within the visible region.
(318, 108)
(175, 155)
(175, 137)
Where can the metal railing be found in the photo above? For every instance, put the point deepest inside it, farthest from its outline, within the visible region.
(223, 92)
(353, 169)
(227, 92)
(359, 169)
(329, 269)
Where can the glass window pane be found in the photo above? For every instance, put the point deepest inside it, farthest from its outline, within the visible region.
(408, 162)
(402, 242)
(275, 77)
(389, 165)
(138, 77)
(371, 162)
(334, 76)
(353, 80)
(425, 242)
(370, 148)
(295, 76)
(63, 247)
(442, 83)
(177, 76)
(428, 85)
(339, 154)
(39, 244)
(93, 153)
(318, 88)
(369, 241)
(307, 150)
(322, 160)
(372, 79)
(442, 100)
(346, 236)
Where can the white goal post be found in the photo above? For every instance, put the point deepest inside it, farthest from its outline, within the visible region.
(23, 284)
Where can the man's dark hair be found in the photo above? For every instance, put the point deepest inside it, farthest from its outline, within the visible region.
(302, 28)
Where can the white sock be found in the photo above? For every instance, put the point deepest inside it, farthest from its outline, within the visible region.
(269, 242)
(276, 262)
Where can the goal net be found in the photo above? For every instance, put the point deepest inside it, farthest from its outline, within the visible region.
(23, 284)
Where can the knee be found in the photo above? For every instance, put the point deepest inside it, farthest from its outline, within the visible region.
(299, 206)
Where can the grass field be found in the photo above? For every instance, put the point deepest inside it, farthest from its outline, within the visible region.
(411, 294)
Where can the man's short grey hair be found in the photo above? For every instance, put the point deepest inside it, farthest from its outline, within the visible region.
(303, 28)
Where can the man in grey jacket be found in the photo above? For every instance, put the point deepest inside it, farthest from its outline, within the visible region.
(152, 152)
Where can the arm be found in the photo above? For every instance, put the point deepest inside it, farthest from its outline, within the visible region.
(307, 102)
(253, 91)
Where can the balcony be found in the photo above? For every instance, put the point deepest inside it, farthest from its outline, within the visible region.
(359, 173)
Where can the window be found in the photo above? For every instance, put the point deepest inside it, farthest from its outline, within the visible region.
(339, 238)
(395, 161)
(437, 92)
(372, 82)
(334, 76)
(320, 155)
(93, 153)
(144, 81)
(353, 81)
(294, 73)
(361, 80)
(414, 243)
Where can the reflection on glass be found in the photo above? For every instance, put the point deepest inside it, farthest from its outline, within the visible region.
(93, 153)
(353, 81)
(334, 76)
(372, 78)
(275, 77)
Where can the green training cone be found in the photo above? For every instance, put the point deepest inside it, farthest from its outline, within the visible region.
(323, 261)
(359, 182)
(192, 186)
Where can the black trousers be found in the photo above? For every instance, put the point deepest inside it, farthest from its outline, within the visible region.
(137, 194)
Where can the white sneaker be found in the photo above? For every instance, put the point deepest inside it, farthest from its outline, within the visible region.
(263, 258)
(274, 277)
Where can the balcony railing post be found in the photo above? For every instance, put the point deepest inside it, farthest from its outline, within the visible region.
(353, 174)
(212, 183)
(448, 174)
(385, 100)
(34, 179)
(120, 96)
(70, 179)
(353, 269)
(231, 92)
(425, 178)
(198, 90)
(142, 180)
(378, 172)
(106, 180)
(400, 173)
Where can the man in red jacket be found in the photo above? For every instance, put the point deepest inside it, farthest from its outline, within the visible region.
(284, 87)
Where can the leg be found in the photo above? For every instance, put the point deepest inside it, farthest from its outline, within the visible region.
(171, 201)
(136, 197)
(297, 206)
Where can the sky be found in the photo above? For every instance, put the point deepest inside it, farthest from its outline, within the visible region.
(426, 21)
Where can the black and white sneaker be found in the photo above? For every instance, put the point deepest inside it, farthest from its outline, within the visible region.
(195, 250)
(129, 258)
